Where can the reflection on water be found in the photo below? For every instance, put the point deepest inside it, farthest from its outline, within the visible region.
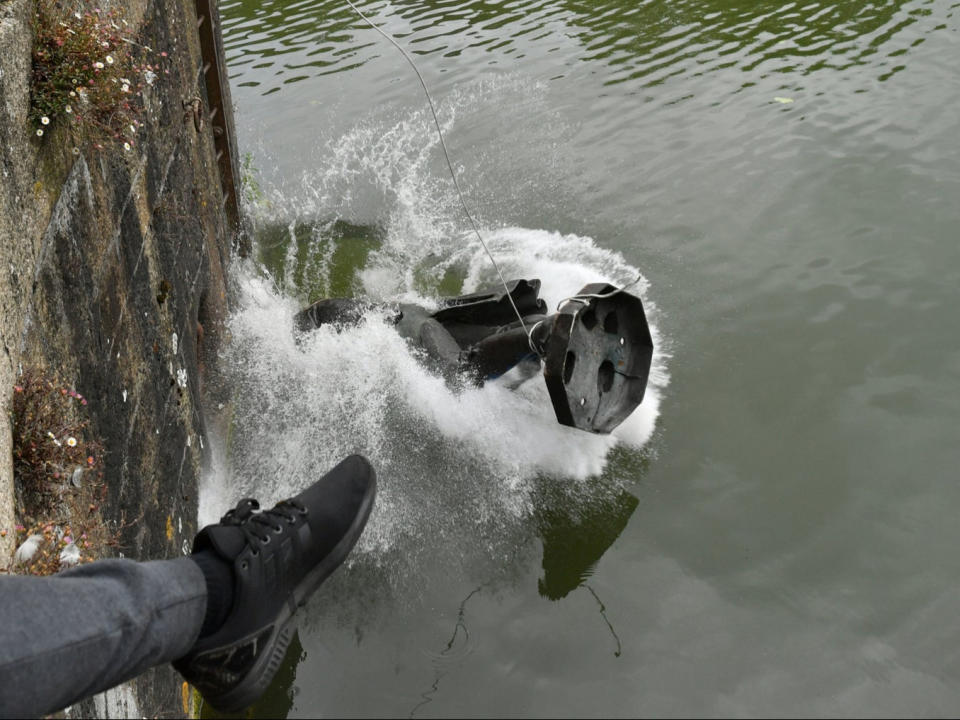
(576, 530)
(576, 527)
(278, 700)
(652, 41)
(576, 535)
(448, 659)
(643, 43)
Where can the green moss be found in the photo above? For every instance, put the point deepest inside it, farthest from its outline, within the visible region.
(252, 191)
(55, 162)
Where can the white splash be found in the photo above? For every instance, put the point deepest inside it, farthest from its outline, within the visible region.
(453, 464)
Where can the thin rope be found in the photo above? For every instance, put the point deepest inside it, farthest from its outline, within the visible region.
(596, 296)
(533, 346)
(453, 175)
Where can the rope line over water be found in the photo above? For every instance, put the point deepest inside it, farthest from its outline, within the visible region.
(453, 175)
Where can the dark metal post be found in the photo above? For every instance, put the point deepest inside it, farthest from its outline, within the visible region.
(220, 113)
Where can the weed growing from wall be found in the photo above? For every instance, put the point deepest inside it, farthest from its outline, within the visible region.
(90, 72)
(253, 194)
(58, 479)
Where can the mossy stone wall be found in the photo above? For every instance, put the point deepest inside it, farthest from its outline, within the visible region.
(112, 273)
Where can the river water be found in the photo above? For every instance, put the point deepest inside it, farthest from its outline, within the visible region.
(775, 531)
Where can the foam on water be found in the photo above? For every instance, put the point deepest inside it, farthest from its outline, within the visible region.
(452, 462)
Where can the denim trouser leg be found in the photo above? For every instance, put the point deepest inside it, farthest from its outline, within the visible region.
(69, 636)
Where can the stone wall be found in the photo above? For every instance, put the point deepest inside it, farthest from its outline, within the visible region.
(112, 272)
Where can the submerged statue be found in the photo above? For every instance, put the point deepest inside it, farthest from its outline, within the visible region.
(595, 351)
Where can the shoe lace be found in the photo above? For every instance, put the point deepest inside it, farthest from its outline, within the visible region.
(256, 526)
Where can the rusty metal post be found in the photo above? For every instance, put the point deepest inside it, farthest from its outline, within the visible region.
(220, 115)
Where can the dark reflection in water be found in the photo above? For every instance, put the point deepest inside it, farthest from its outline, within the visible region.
(576, 527)
(641, 43)
(575, 537)
(278, 699)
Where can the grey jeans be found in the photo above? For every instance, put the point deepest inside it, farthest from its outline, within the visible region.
(72, 635)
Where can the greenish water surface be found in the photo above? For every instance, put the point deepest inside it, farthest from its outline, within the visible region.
(786, 176)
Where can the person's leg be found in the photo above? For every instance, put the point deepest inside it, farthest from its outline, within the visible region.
(72, 635)
(224, 615)
(278, 557)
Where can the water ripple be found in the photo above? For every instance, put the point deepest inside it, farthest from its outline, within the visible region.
(637, 44)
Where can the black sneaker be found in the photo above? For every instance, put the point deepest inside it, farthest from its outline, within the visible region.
(279, 558)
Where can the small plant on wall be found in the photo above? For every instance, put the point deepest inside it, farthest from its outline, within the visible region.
(58, 478)
(88, 71)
